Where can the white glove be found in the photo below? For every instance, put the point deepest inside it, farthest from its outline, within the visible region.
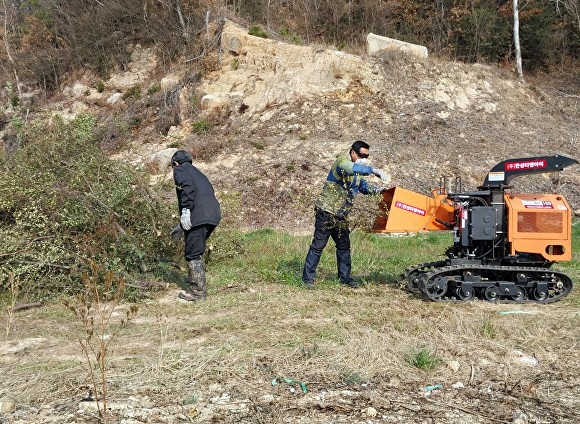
(381, 174)
(186, 219)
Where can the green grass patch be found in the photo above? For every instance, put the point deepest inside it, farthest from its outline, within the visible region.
(270, 256)
(201, 126)
(423, 359)
(487, 329)
(257, 31)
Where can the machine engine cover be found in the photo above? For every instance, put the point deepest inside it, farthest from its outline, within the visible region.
(483, 225)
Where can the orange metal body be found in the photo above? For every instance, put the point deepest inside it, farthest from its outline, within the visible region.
(404, 211)
(536, 223)
(540, 223)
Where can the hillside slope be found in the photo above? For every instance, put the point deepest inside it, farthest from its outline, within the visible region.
(277, 114)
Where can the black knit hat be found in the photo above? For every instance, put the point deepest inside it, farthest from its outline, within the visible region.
(181, 156)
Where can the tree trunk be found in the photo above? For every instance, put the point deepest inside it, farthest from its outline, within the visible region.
(7, 47)
(517, 42)
(184, 28)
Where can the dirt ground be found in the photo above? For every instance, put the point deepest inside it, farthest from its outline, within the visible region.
(263, 353)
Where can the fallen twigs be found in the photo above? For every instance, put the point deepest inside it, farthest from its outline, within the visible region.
(25, 306)
(468, 411)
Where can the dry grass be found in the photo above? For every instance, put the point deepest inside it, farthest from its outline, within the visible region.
(349, 347)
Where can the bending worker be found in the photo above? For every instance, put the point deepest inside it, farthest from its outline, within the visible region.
(332, 206)
(199, 215)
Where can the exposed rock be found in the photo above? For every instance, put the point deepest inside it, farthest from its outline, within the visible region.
(520, 418)
(211, 102)
(159, 162)
(14, 347)
(7, 405)
(143, 62)
(523, 359)
(78, 90)
(267, 73)
(377, 44)
(453, 365)
(370, 412)
(115, 98)
(267, 398)
(168, 82)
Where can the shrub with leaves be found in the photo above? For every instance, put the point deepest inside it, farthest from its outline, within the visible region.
(64, 203)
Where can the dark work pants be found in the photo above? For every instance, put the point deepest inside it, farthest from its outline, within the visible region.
(326, 226)
(195, 241)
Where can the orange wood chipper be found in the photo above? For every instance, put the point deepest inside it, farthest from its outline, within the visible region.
(504, 244)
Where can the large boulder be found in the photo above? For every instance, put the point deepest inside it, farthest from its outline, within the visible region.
(377, 45)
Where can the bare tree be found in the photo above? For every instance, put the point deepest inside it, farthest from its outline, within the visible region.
(571, 6)
(517, 41)
(181, 19)
(7, 47)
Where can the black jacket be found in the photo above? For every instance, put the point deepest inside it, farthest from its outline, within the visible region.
(195, 192)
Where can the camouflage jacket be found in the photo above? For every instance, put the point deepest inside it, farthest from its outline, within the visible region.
(343, 182)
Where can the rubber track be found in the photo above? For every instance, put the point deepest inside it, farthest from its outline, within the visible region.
(409, 275)
(454, 269)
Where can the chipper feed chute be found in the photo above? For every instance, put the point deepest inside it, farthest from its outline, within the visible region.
(404, 211)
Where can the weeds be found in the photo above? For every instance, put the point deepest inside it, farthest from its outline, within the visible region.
(256, 31)
(351, 378)
(423, 359)
(293, 38)
(308, 352)
(134, 93)
(77, 204)
(487, 329)
(163, 330)
(155, 88)
(201, 126)
(94, 308)
(258, 325)
(257, 145)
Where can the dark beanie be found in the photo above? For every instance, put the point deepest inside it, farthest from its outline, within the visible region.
(181, 156)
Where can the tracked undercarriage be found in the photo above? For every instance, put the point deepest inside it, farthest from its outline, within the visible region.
(504, 244)
(460, 283)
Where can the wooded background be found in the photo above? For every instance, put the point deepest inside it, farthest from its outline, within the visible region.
(43, 39)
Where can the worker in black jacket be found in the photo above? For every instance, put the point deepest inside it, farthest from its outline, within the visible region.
(200, 214)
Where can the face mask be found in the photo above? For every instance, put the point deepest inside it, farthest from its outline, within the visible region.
(361, 161)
